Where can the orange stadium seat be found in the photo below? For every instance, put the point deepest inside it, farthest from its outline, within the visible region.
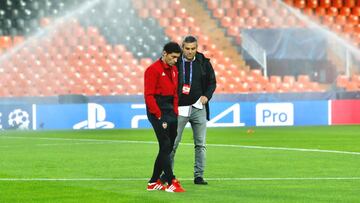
(231, 12)
(244, 12)
(271, 87)
(298, 87)
(332, 11)
(303, 79)
(328, 20)
(289, 79)
(212, 4)
(166, 13)
(355, 11)
(340, 20)
(353, 19)
(284, 87)
(355, 78)
(5, 42)
(352, 86)
(325, 3)
(308, 11)
(251, 22)
(225, 4)
(181, 13)
(226, 21)
(250, 4)
(300, 3)
(256, 87)
(348, 28)
(345, 11)
(264, 22)
(275, 80)
(337, 3)
(257, 12)
(289, 2)
(320, 11)
(218, 12)
(349, 3)
(312, 3)
(238, 4)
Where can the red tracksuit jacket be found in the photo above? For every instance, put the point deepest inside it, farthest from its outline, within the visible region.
(160, 79)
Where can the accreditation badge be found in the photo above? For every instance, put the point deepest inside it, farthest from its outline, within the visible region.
(186, 89)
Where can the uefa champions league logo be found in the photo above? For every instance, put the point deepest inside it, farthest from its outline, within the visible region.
(19, 119)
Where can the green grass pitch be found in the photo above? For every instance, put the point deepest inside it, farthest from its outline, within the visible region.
(279, 164)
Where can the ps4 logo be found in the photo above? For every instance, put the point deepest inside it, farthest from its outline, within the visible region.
(95, 119)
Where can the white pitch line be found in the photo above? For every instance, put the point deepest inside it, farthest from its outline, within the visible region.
(191, 144)
(184, 179)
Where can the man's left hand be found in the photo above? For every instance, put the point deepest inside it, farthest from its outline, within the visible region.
(203, 100)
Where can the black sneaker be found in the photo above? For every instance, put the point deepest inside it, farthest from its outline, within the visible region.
(200, 181)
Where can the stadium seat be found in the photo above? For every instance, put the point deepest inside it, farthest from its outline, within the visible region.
(332, 11)
(303, 79)
(264, 22)
(356, 78)
(250, 4)
(328, 20)
(308, 11)
(349, 3)
(312, 3)
(212, 4)
(355, 11)
(256, 87)
(257, 12)
(231, 12)
(340, 20)
(244, 12)
(238, 4)
(226, 21)
(271, 87)
(325, 3)
(181, 13)
(289, 79)
(218, 12)
(353, 19)
(320, 11)
(300, 3)
(337, 3)
(297, 87)
(345, 11)
(348, 28)
(352, 86)
(275, 80)
(5, 42)
(284, 87)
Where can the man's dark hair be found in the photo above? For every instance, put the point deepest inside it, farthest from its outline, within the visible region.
(189, 39)
(172, 47)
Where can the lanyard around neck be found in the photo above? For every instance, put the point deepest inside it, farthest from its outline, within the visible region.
(183, 66)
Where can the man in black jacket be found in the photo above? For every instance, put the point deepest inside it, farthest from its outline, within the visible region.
(197, 84)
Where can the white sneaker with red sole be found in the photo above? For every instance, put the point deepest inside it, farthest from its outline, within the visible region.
(155, 186)
(174, 187)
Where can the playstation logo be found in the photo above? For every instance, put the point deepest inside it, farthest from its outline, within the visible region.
(96, 118)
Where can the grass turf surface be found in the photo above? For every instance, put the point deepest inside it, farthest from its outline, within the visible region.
(114, 166)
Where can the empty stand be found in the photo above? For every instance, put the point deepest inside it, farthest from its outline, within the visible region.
(91, 55)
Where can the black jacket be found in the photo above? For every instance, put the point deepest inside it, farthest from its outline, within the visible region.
(208, 80)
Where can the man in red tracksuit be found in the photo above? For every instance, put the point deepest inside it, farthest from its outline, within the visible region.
(161, 98)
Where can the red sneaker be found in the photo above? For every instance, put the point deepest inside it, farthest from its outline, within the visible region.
(174, 187)
(155, 186)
